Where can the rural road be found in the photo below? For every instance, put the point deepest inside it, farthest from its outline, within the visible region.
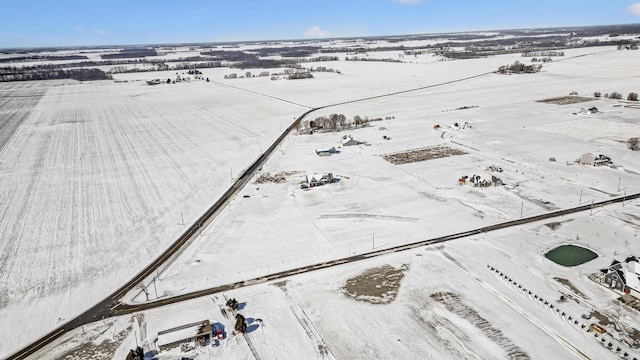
(111, 306)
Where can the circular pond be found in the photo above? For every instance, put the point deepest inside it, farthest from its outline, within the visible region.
(570, 255)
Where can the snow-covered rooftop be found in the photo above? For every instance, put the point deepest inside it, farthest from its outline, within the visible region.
(184, 332)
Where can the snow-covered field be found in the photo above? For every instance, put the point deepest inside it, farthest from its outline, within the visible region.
(95, 180)
(98, 179)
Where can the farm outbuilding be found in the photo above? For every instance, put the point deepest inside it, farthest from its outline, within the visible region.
(594, 159)
(194, 332)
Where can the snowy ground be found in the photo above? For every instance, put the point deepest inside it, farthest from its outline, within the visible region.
(94, 184)
(97, 179)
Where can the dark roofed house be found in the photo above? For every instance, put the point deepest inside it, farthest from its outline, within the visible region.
(623, 277)
(614, 277)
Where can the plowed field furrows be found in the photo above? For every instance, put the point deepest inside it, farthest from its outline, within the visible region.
(96, 175)
(16, 102)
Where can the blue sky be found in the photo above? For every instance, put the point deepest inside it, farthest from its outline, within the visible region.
(41, 23)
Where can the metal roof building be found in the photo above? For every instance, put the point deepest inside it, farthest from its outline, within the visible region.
(193, 332)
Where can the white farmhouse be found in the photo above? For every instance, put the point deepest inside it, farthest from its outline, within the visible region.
(347, 140)
(633, 278)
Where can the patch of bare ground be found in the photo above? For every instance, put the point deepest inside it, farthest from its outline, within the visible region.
(630, 336)
(630, 301)
(566, 100)
(282, 285)
(455, 304)
(100, 345)
(602, 319)
(423, 154)
(631, 219)
(278, 178)
(568, 284)
(376, 286)
(556, 224)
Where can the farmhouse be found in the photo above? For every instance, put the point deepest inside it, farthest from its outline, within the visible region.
(347, 140)
(199, 332)
(594, 159)
(318, 180)
(624, 277)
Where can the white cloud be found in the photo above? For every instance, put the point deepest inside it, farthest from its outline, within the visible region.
(634, 9)
(408, 2)
(99, 31)
(78, 29)
(316, 32)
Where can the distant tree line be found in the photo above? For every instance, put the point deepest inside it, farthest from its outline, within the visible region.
(355, 58)
(616, 96)
(231, 55)
(545, 53)
(35, 73)
(317, 59)
(160, 66)
(300, 75)
(633, 46)
(287, 51)
(130, 53)
(42, 57)
(517, 68)
(337, 122)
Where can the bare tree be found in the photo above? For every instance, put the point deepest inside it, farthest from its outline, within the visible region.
(632, 96)
(615, 95)
(341, 120)
(633, 143)
(597, 94)
(328, 123)
(334, 119)
(357, 120)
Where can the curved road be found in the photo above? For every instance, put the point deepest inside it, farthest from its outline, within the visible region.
(111, 305)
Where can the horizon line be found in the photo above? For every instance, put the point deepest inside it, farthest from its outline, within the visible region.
(199, 43)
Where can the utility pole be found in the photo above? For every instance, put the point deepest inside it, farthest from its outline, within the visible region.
(373, 241)
(591, 211)
(619, 180)
(624, 197)
(154, 287)
(182, 217)
(580, 201)
(521, 209)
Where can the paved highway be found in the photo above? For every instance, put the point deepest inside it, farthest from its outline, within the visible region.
(106, 307)
(111, 305)
(124, 309)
